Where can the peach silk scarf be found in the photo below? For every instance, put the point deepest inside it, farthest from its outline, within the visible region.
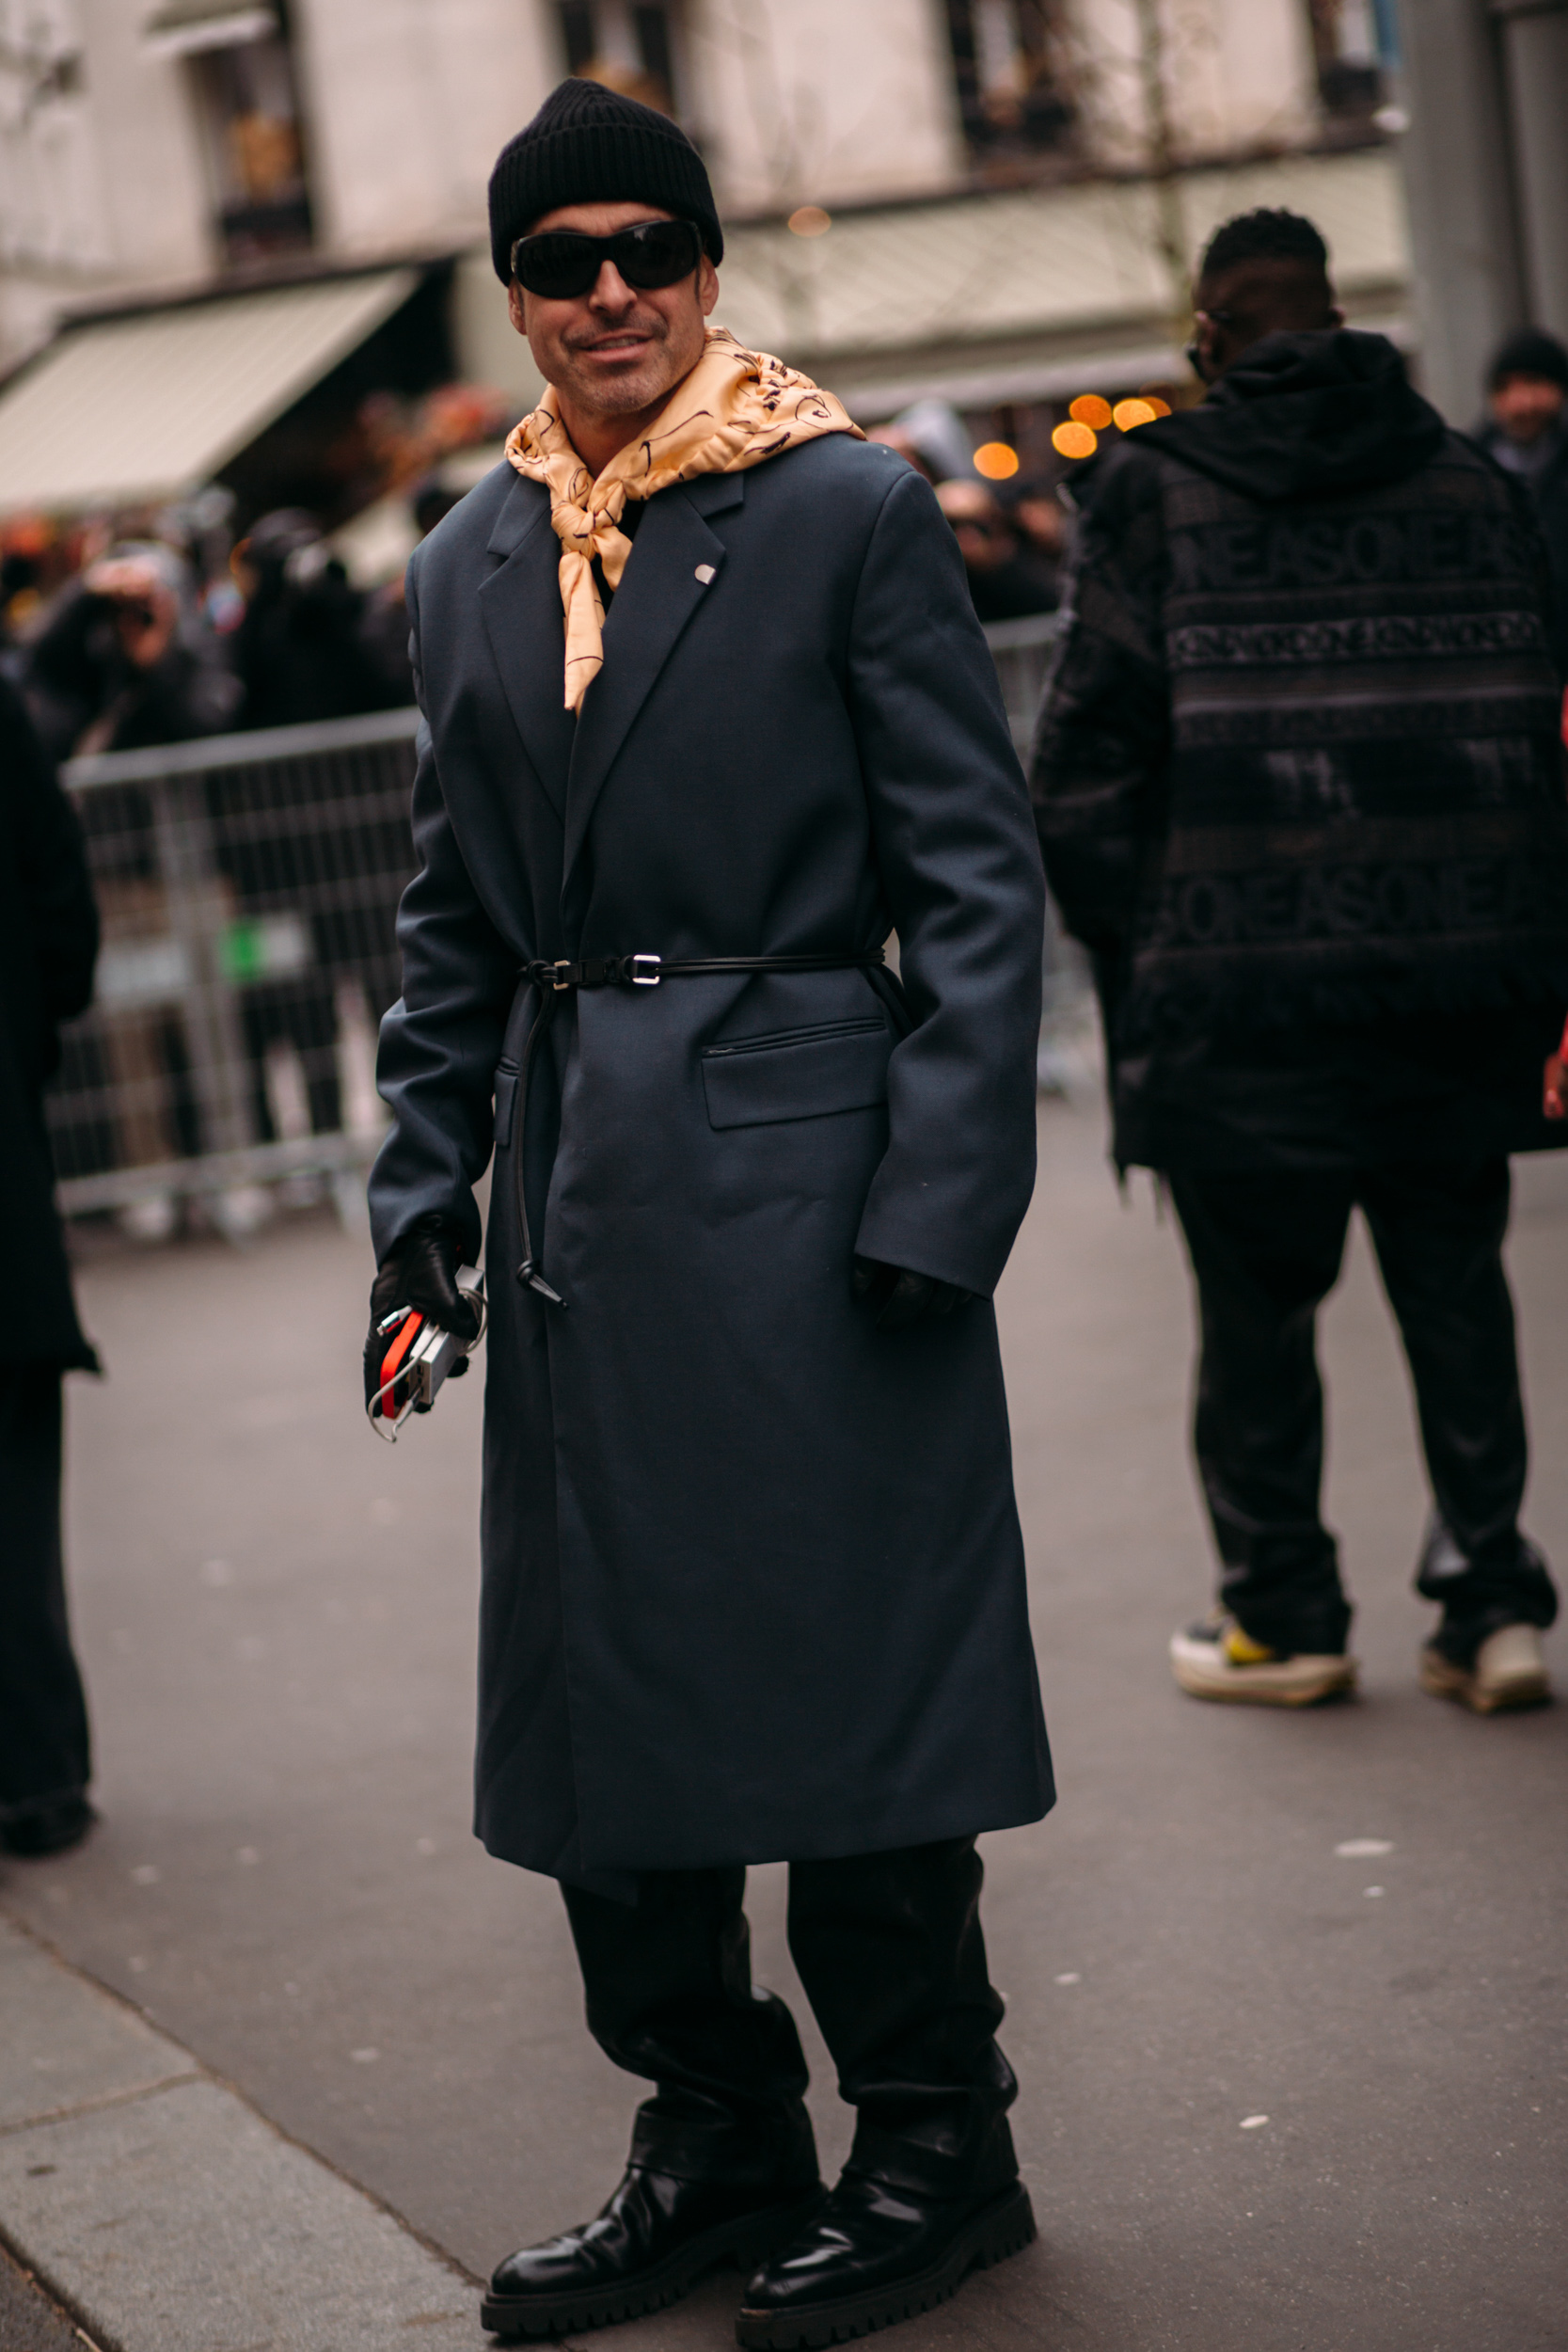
(735, 408)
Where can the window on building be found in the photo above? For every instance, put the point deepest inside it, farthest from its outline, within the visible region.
(250, 133)
(1353, 44)
(626, 46)
(1010, 63)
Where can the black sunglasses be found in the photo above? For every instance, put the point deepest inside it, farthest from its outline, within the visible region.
(559, 264)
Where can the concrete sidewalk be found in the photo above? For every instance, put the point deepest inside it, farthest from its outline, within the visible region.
(1348, 1922)
(165, 2213)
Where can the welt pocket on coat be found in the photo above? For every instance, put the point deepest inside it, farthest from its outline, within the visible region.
(797, 1073)
(506, 1103)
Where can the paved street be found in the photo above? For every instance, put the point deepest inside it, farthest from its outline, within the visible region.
(1274, 2095)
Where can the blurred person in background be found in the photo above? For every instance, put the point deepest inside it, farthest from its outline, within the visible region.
(1527, 434)
(1041, 522)
(124, 658)
(48, 945)
(37, 556)
(430, 502)
(700, 677)
(386, 624)
(310, 645)
(932, 437)
(1006, 579)
(1299, 784)
(20, 574)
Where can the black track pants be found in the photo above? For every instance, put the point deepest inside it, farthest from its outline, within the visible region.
(1266, 1250)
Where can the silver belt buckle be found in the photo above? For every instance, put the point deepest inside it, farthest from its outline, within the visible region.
(645, 979)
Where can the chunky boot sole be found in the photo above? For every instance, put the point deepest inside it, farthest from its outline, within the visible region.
(1204, 1672)
(1004, 2227)
(747, 2242)
(1527, 1687)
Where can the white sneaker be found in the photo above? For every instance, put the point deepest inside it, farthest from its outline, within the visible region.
(241, 1211)
(1508, 1670)
(151, 1220)
(1218, 1660)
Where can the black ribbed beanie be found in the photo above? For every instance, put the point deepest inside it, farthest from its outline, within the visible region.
(1529, 351)
(589, 144)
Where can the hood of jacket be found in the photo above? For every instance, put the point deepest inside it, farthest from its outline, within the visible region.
(1303, 416)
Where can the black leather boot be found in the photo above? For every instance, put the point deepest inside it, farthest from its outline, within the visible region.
(52, 1827)
(654, 2240)
(872, 2254)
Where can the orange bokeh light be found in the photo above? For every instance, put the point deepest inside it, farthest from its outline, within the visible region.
(1153, 400)
(1128, 414)
(996, 460)
(1075, 440)
(810, 220)
(1089, 408)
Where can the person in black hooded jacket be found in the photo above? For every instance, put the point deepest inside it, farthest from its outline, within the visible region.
(1299, 787)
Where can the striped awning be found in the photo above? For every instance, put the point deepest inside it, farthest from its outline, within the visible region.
(122, 411)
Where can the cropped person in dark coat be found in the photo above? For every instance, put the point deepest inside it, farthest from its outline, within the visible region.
(48, 945)
(1300, 789)
(703, 686)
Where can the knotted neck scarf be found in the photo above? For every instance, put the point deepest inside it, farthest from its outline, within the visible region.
(735, 409)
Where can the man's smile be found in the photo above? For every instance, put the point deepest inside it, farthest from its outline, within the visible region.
(613, 346)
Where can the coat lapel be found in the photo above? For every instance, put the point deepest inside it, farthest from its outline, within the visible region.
(660, 591)
(521, 607)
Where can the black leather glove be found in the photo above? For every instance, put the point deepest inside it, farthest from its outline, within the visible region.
(895, 1297)
(420, 1270)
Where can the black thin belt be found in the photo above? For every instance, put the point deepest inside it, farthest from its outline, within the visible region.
(645, 971)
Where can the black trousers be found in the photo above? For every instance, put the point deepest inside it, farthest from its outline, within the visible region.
(889, 1949)
(1266, 1250)
(43, 1716)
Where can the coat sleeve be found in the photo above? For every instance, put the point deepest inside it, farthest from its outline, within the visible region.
(961, 874)
(1104, 735)
(442, 1040)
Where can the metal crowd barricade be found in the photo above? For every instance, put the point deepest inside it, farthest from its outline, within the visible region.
(248, 887)
(1021, 651)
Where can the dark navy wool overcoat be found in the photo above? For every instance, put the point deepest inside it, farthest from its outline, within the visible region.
(753, 1576)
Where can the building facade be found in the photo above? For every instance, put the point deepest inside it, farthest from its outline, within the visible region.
(923, 192)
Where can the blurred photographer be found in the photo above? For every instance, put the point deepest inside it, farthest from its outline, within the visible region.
(124, 660)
